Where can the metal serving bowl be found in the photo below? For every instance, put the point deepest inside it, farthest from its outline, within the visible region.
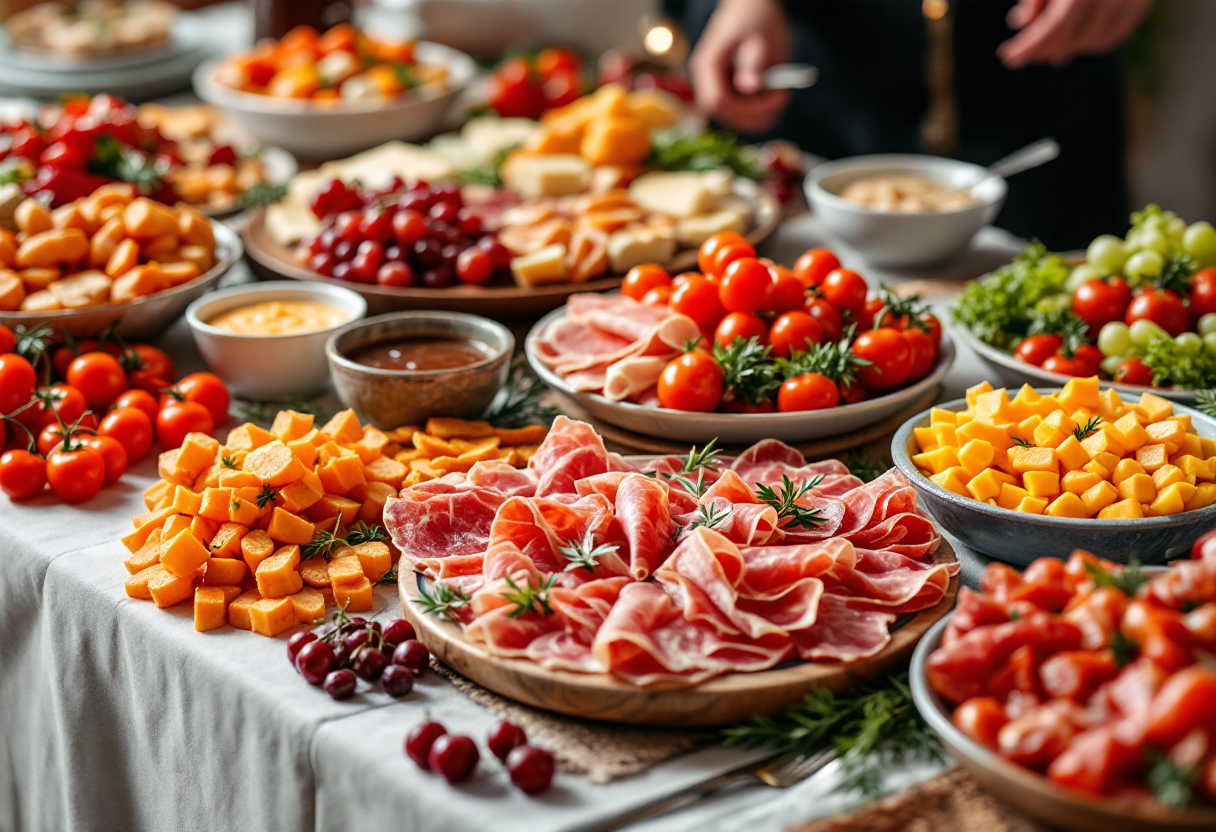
(391, 398)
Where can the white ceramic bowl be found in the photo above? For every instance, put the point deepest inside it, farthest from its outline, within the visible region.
(269, 367)
(329, 130)
(898, 240)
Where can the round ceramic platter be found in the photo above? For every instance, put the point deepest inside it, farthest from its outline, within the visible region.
(1016, 373)
(739, 428)
(719, 701)
(144, 318)
(272, 260)
(1032, 793)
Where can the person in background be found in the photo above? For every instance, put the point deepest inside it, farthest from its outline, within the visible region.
(972, 79)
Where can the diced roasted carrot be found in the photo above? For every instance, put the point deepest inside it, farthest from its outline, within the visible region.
(271, 616)
(309, 606)
(256, 546)
(356, 597)
(286, 527)
(225, 572)
(238, 609)
(277, 575)
(274, 464)
(167, 589)
(210, 608)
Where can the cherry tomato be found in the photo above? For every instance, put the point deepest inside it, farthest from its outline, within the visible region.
(709, 248)
(1100, 301)
(785, 294)
(112, 453)
(514, 93)
(17, 382)
(1035, 349)
(8, 341)
(1163, 308)
(853, 393)
(794, 331)
(63, 356)
(99, 376)
(1091, 355)
(869, 314)
(845, 289)
(981, 718)
(809, 391)
(176, 419)
(204, 388)
(556, 59)
(698, 298)
(658, 296)
(22, 474)
(924, 353)
(51, 437)
(641, 279)
(745, 285)
(473, 266)
(889, 355)
(933, 326)
(828, 316)
(740, 325)
(66, 402)
(1068, 365)
(684, 277)
(728, 254)
(691, 382)
(562, 88)
(148, 368)
(814, 265)
(1134, 371)
(75, 475)
(1203, 292)
(132, 427)
(140, 400)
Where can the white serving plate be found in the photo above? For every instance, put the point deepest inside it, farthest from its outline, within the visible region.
(739, 428)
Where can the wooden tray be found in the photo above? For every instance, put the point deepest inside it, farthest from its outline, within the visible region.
(272, 261)
(719, 701)
(818, 448)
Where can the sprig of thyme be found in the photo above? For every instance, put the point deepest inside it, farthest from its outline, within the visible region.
(1090, 427)
(521, 401)
(267, 495)
(709, 516)
(785, 501)
(324, 543)
(585, 554)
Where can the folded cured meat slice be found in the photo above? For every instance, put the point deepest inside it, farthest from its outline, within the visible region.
(771, 570)
(569, 341)
(581, 611)
(506, 478)
(599, 331)
(844, 632)
(571, 451)
(645, 516)
(892, 582)
(883, 515)
(769, 460)
(617, 314)
(630, 377)
(443, 528)
(542, 528)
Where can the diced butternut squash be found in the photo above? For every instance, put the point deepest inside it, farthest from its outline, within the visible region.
(216, 504)
(1204, 496)
(372, 496)
(1071, 455)
(248, 437)
(277, 575)
(147, 555)
(309, 606)
(975, 456)
(167, 589)
(937, 460)
(1128, 431)
(239, 607)
(1032, 505)
(1025, 429)
(1101, 442)
(197, 453)
(998, 436)
(1078, 482)
(274, 464)
(973, 393)
(344, 428)
(1099, 497)
(1095, 467)
(332, 505)
(355, 597)
(210, 608)
(1080, 392)
(256, 546)
(1124, 469)
(1067, 504)
(1153, 408)
(1172, 499)
(1033, 459)
(942, 435)
(987, 484)
(226, 543)
(952, 479)
(1041, 483)
(136, 585)
(1139, 487)
(937, 416)
(1167, 475)
(204, 530)
(272, 616)
(1126, 509)
(375, 558)
(1011, 495)
(1152, 457)
(391, 472)
(926, 440)
(345, 570)
(225, 572)
(183, 554)
(289, 425)
(1169, 433)
(315, 572)
(341, 473)
(286, 527)
(991, 406)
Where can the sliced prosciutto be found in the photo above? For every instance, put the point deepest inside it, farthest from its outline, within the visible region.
(592, 563)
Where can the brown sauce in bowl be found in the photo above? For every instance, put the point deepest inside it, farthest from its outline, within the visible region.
(421, 354)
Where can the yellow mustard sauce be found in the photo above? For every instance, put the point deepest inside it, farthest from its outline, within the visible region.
(280, 317)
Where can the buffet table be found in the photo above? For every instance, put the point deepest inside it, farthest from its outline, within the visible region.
(117, 716)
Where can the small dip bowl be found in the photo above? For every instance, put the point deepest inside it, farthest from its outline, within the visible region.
(391, 398)
(269, 367)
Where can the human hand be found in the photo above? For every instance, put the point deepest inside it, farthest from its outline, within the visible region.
(1056, 31)
(743, 38)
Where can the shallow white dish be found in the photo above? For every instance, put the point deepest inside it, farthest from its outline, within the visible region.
(738, 428)
(269, 367)
(328, 130)
(902, 240)
(1016, 373)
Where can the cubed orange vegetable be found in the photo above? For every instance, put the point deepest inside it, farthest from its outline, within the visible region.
(197, 453)
(388, 471)
(342, 473)
(1099, 497)
(934, 461)
(1169, 433)
(158, 495)
(952, 479)
(1078, 482)
(1067, 504)
(1071, 455)
(286, 527)
(1031, 505)
(225, 572)
(226, 543)
(1041, 484)
(210, 608)
(274, 464)
(975, 456)
(334, 505)
(1033, 459)
(183, 554)
(345, 569)
(1011, 495)
(309, 606)
(926, 440)
(277, 575)
(938, 416)
(167, 589)
(136, 585)
(373, 496)
(256, 546)
(1152, 457)
(147, 555)
(1101, 442)
(248, 437)
(1139, 487)
(204, 530)
(1080, 392)
(973, 393)
(1153, 408)
(216, 504)
(356, 597)
(1172, 499)
(1204, 496)
(375, 558)
(315, 572)
(289, 425)
(344, 428)
(239, 607)
(1128, 431)
(271, 616)
(1126, 509)
(1167, 475)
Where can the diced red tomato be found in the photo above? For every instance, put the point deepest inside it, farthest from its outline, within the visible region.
(1098, 761)
(1039, 736)
(1076, 674)
(1183, 704)
(982, 719)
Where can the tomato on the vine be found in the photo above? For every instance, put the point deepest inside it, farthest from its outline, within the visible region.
(75, 474)
(99, 377)
(745, 285)
(17, 382)
(1091, 355)
(709, 249)
(641, 279)
(63, 356)
(692, 382)
(22, 474)
(785, 294)
(132, 427)
(794, 331)
(923, 352)
(8, 340)
(889, 355)
(828, 317)
(149, 368)
(932, 325)
(740, 325)
(853, 393)
(1069, 365)
(1164, 308)
(51, 437)
(1100, 301)
(1035, 349)
(140, 400)
(1134, 371)
(697, 297)
(204, 388)
(814, 265)
(178, 418)
(845, 289)
(809, 391)
(727, 254)
(112, 453)
(868, 319)
(60, 401)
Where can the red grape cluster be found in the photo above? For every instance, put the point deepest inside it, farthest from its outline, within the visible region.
(456, 757)
(354, 648)
(402, 235)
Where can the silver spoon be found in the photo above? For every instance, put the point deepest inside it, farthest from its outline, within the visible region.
(789, 77)
(1030, 156)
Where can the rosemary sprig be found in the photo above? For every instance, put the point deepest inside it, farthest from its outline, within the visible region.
(1090, 427)
(361, 532)
(1173, 785)
(748, 370)
(585, 554)
(1128, 580)
(709, 516)
(325, 543)
(1205, 402)
(521, 401)
(786, 501)
(697, 489)
(706, 457)
(529, 597)
(267, 495)
(442, 600)
(228, 462)
(389, 577)
(872, 727)
(1022, 443)
(263, 193)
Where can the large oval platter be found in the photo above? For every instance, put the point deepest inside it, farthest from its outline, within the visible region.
(740, 428)
(719, 701)
(502, 302)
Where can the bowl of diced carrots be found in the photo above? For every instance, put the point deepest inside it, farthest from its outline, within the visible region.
(326, 95)
(1046, 471)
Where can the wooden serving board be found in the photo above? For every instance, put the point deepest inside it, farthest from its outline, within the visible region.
(818, 448)
(719, 701)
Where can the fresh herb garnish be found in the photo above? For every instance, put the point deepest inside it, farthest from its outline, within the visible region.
(1127, 580)
(262, 193)
(1123, 648)
(115, 160)
(863, 468)
(786, 501)
(1205, 402)
(872, 727)
(1022, 443)
(748, 371)
(585, 554)
(705, 457)
(705, 150)
(530, 597)
(267, 495)
(834, 360)
(708, 516)
(442, 600)
(228, 462)
(234, 506)
(1090, 427)
(999, 309)
(389, 577)
(697, 489)
(521, 401)
(1173, 785)
(264, 412)
(325, 543)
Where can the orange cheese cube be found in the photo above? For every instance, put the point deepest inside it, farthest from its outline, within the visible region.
(973, 393)
(147, 555)
(375, 558)
(167, 589)
(941, 416)
(277, 575)
(182, 554)
(1067, 504)
(1101, 442)
(1152, 457)
(1153, 408)
(1099, 497)
(289, 425)
(344, 428)
(1031, 505)
(1011, 495)
(239, 607)
(225, 572)
(1071, 455)
(1033, 459)
(975, 456)
(1139, 487)
(210, 608)
(1126, 509)
(354, 598)
(274, 464)
(1167, 475)
(1169, 433)
(271, 616)
(937, 460)
(1204, 496)
(1128, 431)
(286, 527)
(309, 606)
(1041, 484)
(952, 479)
(926, 440)
(226, 543)
(1172, 499)
(1080, 392)
(1078, 482)
(256, 546)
